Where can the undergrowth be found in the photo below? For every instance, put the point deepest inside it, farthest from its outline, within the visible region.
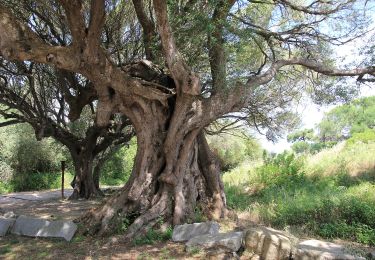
(330, 194)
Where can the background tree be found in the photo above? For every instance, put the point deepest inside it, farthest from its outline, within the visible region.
(343, 121)
(47, 99)
(174, 171)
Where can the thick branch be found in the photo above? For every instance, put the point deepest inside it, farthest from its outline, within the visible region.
(216, 44)
(240, 95)
(186, 81)
(148, 27)
(74, 15)
(10, 122)
(97, 18)
(312, 65)
(18, 42)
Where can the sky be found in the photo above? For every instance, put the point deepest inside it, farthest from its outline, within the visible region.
(312, 114)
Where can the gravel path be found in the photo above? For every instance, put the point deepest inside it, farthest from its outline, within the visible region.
(33, 196)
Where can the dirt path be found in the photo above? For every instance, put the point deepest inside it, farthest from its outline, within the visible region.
(45, 204)
(49, 205)
(34, 195)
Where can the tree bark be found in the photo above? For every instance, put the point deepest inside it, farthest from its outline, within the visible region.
(84, 185)
(174, 175)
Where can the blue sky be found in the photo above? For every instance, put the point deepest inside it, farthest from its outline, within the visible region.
(311, 114)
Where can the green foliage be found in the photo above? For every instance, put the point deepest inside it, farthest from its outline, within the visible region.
(117, 169)
(330, 194)
(36, 181)
(152, 236)
(28, 164)
(232, 149)
(283, 169)
(301, 135)
(365, 137)
(345, 120)
(357, 232)
(5, 188)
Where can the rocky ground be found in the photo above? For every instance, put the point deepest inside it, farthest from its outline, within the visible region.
(249, 241)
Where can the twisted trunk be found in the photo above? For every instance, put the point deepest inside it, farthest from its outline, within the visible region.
(83, 184)
(174, 174)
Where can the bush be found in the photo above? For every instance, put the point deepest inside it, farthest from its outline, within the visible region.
(28, 164)
(283, 169)
(117, 169)
(6, 171)
(5, 188)
(329, 194)
(233, 150)
(36, 181)
(356, 232)
(364, 137)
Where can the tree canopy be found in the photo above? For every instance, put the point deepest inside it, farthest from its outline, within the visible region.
(200, 61)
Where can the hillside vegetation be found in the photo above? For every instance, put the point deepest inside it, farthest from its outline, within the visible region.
(330, 194)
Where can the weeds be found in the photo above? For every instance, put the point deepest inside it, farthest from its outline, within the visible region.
(335, 199)
(152, 236)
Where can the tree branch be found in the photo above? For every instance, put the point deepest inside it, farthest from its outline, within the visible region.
(186, 81)
(10, 122)
(97, 19)
(74, 15)
(216, 53)
(148, 27)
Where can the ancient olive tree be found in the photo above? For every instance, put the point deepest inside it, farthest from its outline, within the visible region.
(222, 57)
(49, 100)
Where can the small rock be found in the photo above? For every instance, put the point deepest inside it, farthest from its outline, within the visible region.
(268, 243)
(35, 227)
(5, 225)
(232, 241)
(10, 214)
(220, 253)
(188, 231)
(322, 250)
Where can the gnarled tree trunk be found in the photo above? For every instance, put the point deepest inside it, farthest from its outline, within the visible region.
(84, 185)
(174, 174)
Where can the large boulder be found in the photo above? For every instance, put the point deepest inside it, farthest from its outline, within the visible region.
(5, 225)
(322, 250)
(188, 231)
(35, 227)
(268, 243)
(232, 241)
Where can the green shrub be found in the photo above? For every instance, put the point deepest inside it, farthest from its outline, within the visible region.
(233, 150)
(28, 164)
(329, 194)
(356, 232)
(283, 169)
(117, 169)
(153, 236)
(365, 137)
(36, 181)
(5, 187)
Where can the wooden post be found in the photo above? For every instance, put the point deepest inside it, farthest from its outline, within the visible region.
(62, 179)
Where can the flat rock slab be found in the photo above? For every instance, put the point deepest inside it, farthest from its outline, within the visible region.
(232, 241)
(5, 225)
(35, 227)
(188, 231)
(268, 243)
(322, 250)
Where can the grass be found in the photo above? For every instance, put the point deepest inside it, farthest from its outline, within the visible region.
(153, 236)
(330, 194)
